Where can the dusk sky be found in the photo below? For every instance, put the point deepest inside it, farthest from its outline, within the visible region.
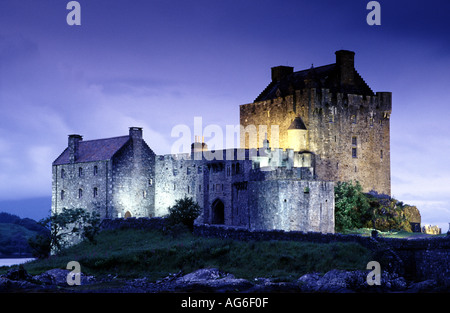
(160, 63)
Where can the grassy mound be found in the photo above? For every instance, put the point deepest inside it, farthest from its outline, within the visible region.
(139, 253)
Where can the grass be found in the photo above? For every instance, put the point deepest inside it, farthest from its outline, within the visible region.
(139, 253)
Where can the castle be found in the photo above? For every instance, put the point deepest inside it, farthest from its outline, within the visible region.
(329, 125)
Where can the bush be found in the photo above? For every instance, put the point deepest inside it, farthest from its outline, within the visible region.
(352, 208)
(185, 211)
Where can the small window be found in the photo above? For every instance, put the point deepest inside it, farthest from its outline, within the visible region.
(353, 119)
(80, 172)
(80, 193)
(200, 188)
(62, 194)
(381, 154)
(63, 173)
(150, 182)
(354, 147)
(95, 170)
(95, 192)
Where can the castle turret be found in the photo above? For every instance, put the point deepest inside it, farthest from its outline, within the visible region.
(297, 135)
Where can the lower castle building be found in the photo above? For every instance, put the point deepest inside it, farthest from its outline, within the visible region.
(329, 127)
(253, 188)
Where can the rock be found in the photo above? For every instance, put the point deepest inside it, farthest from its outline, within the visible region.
(18, 274)
(349, 281)
(211, 279)
(423, 286)
(58, 277)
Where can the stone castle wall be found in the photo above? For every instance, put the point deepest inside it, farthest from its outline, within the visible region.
(332, 120)
(133, 176)
(73, 187)
(291, 205)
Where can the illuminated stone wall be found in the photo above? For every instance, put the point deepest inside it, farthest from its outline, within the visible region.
(330, 136)
(73, 187)
(132, 184)
(123, 184)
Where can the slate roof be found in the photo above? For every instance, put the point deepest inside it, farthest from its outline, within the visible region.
(297, 123)
(319, 77)
(94, 150)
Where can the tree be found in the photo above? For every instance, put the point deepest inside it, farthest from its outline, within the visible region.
(63, 228)
(352, 208)
(184, 211)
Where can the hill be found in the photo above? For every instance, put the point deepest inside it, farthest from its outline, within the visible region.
(34, 208)
(14, 235)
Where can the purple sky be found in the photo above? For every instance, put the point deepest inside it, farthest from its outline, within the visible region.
(157, 64)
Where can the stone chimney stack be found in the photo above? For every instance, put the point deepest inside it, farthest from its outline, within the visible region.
(74, 141)
(136, 133)
(280, 72)
(345, 62)
(136, 137)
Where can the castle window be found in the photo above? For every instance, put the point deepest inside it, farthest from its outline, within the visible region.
(174, 187)
(200, 188)
(80, 172)
(189, 189)
(63, 173)
(354, 147)
(80, 193)
(95, 192)
(381, 154)
(150, 182)
(353, 119)
(95, 170)
(62, 194)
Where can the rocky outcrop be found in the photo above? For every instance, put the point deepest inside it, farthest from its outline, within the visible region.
(214, 280)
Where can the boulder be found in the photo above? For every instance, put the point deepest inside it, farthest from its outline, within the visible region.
(211, 279)
(58, 277)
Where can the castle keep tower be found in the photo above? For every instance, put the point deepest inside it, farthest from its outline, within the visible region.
(331, 112)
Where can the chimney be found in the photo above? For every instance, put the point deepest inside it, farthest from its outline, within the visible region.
(136, 132)
(137, 144)
(74, 141)
(345, 62)
(280, 72)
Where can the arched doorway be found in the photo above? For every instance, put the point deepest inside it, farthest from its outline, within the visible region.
(127, 214)
(218, 212)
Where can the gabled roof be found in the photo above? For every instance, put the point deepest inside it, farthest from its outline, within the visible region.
(317, 77)
(94, 150)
